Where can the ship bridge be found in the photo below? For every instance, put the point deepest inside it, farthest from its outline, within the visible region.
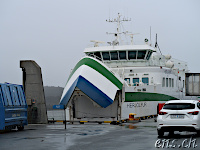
(121, 53)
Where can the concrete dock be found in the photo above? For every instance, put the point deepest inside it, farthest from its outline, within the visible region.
(129, 136)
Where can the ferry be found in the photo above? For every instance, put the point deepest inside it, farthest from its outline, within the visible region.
(112, 81)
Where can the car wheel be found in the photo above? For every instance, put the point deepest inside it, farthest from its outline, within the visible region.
(160, 133)
(20, 128)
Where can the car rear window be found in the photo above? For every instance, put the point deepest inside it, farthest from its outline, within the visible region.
(179, 106)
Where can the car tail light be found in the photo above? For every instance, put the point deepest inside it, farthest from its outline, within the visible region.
(162, 113)
(194, 113)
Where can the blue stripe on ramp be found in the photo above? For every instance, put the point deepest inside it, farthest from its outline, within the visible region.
(90, 90)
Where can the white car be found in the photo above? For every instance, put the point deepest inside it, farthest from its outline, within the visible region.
(179, 115)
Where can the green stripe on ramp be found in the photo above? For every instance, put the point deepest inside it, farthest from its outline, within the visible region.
(99, 68)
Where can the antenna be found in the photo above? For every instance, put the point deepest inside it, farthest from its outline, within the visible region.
(156, 41)
(109, 12)
(131, 36)
(119, 21)
(156, 45)
(96, 43)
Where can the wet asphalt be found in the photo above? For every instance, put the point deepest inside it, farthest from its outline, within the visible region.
(92, 136)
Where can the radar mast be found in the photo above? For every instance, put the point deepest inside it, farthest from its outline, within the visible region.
(118, 32)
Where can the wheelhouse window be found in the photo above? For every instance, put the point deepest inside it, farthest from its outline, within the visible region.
(145, 80)
(127, 80)
(132, 55)
(141, 54)
(148, 55)
(98, 55)
(114, 55)
(122, 55)
(90, 54)
(135, 81)
(106, 55)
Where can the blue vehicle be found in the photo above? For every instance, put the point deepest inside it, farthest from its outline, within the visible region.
(13, 107)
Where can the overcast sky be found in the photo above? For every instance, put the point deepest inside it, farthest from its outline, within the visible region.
(54, 33)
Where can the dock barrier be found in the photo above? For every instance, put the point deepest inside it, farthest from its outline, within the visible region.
(138, 119)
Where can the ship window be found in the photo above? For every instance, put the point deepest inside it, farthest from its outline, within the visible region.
(163, 82)
(135, 81)
(106, 55)
(127, 80)
(132, 55)
(98, 55)
(122, 55)
(141, 54)
(90, 54)
(148, 55)
(166, 82)
(145, 80)
(170, 82)
(114, 55)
